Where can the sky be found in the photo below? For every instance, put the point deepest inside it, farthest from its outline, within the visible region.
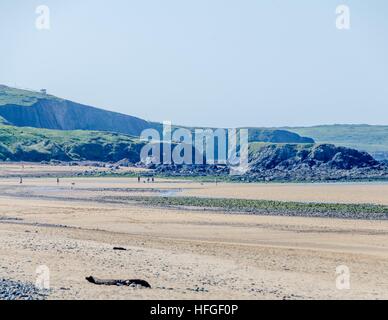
(225, 63)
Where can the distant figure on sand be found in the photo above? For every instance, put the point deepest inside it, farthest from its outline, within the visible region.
(21, 180)
(148, 180)
(138, 179)
(57, 180)
(153, 180)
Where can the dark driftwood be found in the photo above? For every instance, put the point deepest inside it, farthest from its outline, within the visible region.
(119, 249)
(112, 282)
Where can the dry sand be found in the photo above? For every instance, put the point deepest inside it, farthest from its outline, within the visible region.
(188, 254)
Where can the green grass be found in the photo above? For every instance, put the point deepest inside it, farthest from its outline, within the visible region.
(266, 206)
(11, 135)
(21, 97)
(31, 144)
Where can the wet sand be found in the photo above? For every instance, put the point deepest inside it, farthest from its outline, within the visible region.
(373, 193)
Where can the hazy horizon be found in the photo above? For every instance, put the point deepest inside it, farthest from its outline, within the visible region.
(218, 64)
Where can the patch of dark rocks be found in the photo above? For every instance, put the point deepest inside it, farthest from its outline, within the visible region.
(17, 290)
(293, 163)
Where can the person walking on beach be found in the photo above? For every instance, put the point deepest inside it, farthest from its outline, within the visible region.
(138, 179)
(57, 180)
(21, 180)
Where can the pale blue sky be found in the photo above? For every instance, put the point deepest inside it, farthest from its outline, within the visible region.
(205, 62)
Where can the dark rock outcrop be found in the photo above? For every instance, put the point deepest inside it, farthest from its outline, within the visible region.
(293, 162)
(311, 163)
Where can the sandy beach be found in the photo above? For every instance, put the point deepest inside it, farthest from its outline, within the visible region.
(183, 253)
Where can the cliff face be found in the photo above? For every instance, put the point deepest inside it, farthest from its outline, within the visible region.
(23, 108)
(67, 115)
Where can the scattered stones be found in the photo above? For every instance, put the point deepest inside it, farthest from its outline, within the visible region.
(16, 290)
(64, 289)
(197, 289)
(2, 218)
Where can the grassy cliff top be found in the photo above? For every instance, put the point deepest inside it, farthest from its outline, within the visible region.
(13, 96)
(11, 134)
(32, 144)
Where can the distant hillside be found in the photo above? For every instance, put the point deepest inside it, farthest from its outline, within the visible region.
(31, 144)
(373, 139)
(24, 108)
(276, 136)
